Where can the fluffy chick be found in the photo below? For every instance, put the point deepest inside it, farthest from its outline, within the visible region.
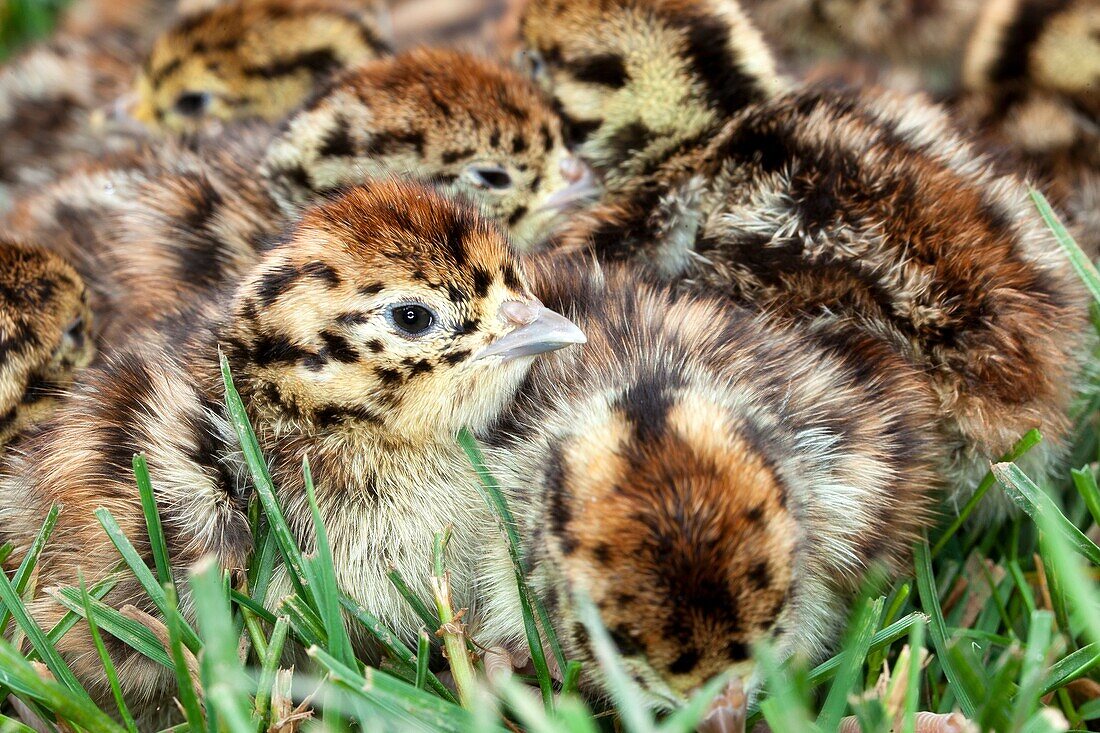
(183, 221)
(1031, 91)
(252, 59)
(833, 207)
(386, 319)
(709, 478)
(64, 103)
(44, 334)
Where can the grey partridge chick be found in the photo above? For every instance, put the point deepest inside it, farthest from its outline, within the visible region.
(44, 334)
(77, 98)
(156, 236)
(1031, 93)
(846, 210)
(708, 477)
(386, 319)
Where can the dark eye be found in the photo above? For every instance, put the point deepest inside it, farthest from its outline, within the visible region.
(412, 319)
(192, 104)
(531, 62)
(489, 176)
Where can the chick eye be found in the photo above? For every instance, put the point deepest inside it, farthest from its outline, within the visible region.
(412, 319)
(192, 104)
(531, 62)
(492, 177)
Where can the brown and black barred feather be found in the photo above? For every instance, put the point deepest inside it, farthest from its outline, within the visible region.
(858, 212)
(172, 224)
(707, 476)
(44, 334)
(1032, 95)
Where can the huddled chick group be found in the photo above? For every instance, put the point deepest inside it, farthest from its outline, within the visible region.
(729, 336)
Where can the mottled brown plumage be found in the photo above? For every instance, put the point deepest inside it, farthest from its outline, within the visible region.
(332, 369)
(176, 222)
(1031, 95)
(76, 98)
(707, 476)
(856, 212)
(252, 59)
(44, 334)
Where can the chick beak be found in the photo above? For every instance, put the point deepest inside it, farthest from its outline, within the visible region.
(580, 185)
(537, 329)
(727, 713)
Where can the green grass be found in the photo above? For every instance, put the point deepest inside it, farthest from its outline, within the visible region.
(23, 21)
(999, 623)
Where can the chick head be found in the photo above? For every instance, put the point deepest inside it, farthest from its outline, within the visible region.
(251, 59)
(393, 309)
(632, 79)
(475, 128)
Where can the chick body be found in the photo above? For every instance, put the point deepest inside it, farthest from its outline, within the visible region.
(707, 476)
(328, 373)
(838, 208)
(44, 334)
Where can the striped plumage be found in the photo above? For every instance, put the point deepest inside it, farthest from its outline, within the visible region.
(847, 210)
(176, 222)
(315, 339)
(1032, 93)
(707, 476)
(70, 101)
(44, 334)
(252, 59)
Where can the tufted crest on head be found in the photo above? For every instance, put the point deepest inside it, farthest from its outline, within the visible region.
(462, 122)
(375, 310)
(252, 59)
(703, 557)
(632, 78)
(44, 333)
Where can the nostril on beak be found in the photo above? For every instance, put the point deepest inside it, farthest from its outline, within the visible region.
(520, 313)
(572, 169)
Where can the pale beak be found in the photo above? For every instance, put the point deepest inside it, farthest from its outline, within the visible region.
(581, 186)
(727, 713)
(537, 330)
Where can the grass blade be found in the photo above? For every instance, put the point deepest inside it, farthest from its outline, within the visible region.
(1036, 504)
(856, 649)
(938, 629)
(491, 492)
(1077, 257)
(26, 567)
(322, 577)
(261, 480)
(145, 576)
(152, 520)
(105, 659)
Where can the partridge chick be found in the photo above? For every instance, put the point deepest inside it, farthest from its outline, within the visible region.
(847, 210)
(158, 235)
(44, 334)
(1031, 90)
(63, 103)
(252, 59)
(707, 477)
(385, 319)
